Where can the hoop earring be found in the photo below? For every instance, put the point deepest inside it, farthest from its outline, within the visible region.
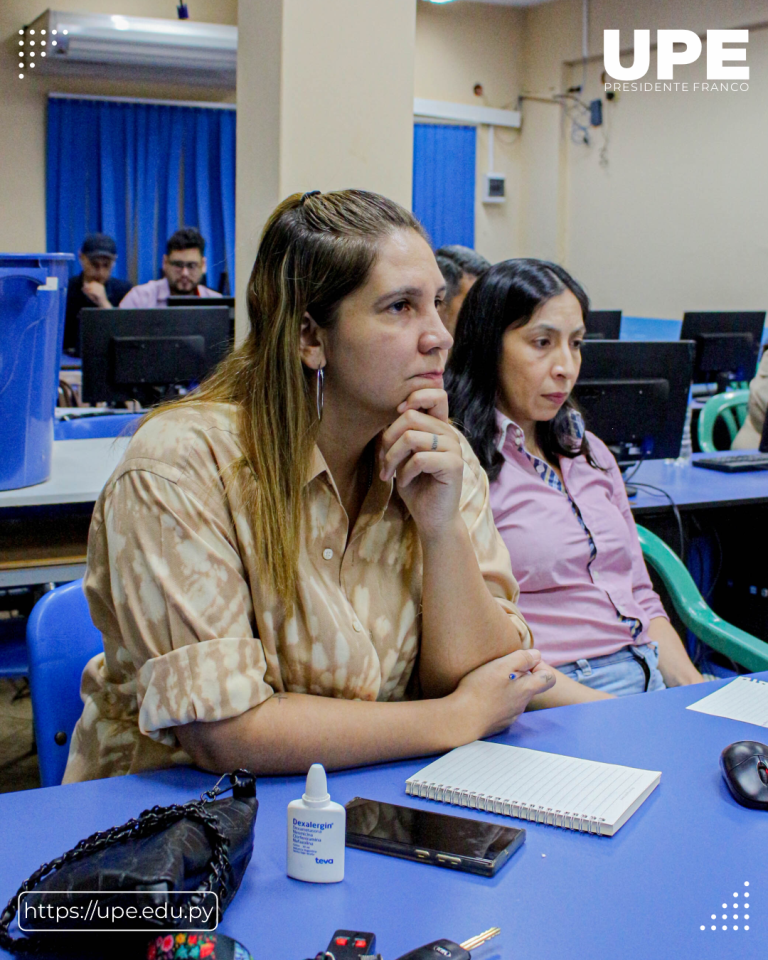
(319, 392)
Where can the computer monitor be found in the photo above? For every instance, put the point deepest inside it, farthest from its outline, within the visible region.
(145, 354)
(603, 325)
(205, 302)
(634, 395)
(727, 345)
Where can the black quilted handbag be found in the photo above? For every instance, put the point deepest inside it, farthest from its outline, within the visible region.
(170, 857)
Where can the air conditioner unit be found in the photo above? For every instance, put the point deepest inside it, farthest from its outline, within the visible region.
(133, 47)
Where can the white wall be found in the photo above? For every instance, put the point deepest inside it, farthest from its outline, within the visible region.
(347, 96)
(676, 219)
(457, 46)
(325, 101)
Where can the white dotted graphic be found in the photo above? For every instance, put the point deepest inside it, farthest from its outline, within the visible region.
(736, 905)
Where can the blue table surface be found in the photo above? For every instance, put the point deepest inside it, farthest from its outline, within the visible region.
(644, 893)
(692, 487)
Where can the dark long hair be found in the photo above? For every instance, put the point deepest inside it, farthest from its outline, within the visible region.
(505, 296)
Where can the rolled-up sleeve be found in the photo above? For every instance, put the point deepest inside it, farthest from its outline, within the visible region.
(182, 603)
(490, 550)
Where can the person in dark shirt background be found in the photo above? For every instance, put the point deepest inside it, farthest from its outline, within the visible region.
(94, 287)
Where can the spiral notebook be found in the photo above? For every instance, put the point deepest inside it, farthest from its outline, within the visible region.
(543, 787)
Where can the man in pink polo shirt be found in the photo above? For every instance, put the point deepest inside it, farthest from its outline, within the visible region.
(183, 265)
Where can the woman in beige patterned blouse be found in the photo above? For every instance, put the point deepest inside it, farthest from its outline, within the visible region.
(298, 563)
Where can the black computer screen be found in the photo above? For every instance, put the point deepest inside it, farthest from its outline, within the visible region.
(727, 344)
(634, 395)
(203, 302)
(142, 354)
(603, 325)
(182, 301)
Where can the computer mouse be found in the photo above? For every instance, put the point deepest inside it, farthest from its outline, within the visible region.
(745, 770)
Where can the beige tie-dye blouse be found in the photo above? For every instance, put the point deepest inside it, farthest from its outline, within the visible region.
(189, 631)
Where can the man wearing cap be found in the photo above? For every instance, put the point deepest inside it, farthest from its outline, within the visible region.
(94, 287)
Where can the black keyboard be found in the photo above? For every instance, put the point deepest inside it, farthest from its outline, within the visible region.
(735, 463)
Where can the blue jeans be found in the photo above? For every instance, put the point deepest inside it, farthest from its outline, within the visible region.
(633, 669)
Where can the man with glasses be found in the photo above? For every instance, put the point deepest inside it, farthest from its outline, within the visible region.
(183, 266)
(94, 286)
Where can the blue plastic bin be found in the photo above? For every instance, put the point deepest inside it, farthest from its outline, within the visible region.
(33, 294)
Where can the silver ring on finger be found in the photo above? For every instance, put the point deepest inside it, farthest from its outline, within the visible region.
(434, 441)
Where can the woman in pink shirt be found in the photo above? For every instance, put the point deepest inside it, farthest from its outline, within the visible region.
(557, 495)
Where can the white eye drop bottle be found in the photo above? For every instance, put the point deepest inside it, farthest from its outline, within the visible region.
(316, 832)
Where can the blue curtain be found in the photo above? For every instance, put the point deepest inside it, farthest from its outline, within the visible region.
(444, 182)
(139, 171)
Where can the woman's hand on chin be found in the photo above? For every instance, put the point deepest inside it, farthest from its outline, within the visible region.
(431, 400)
(424, 453)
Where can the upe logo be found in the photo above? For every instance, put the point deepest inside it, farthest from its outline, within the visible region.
(667, 57)
(318, 860)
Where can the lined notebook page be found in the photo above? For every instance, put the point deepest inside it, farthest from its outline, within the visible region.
(532, 785)
(743, 699)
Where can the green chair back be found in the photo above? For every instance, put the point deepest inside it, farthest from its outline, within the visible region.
(731, 406)
(693, 610)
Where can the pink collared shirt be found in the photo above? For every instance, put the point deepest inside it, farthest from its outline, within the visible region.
(572, 605)
(155, 293)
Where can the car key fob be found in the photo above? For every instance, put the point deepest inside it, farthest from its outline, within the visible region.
(351, 945)
(448, 950)
(438, 950)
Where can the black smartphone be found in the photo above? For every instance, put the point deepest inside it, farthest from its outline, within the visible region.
(459, 843)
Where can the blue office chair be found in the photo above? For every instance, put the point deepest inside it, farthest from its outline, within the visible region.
(91, 428)
(61, 639)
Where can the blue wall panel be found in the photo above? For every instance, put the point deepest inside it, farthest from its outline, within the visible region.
(128, 169)
(444, 182)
